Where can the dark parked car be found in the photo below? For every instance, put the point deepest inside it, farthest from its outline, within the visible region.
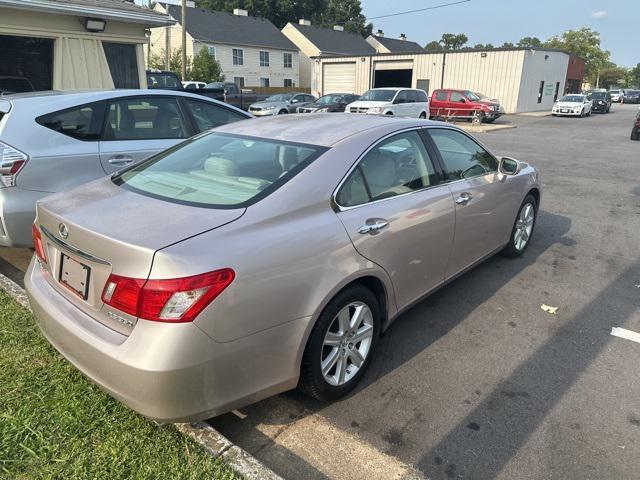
(601, 101)
(333, 102)
(238, 97)
(164, 80)
(632, 96)
(10, 85)
(635, 131)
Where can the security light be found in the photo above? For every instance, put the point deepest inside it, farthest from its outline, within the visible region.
(94, 24)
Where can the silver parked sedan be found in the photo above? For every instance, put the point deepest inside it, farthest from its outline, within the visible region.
(53, 141)
(280, 104)
(265, 255)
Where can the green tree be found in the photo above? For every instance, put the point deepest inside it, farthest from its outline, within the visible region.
(613, 77)
(634, 76)
(433, 46)
(205, 68)
(480, 46)
(347, 13)
(584, 43)
(507, 45)
(157, 61)
(530, 42)
(452, 41)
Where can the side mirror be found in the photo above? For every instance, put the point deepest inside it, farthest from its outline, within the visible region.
(463, 100)
(509, 166)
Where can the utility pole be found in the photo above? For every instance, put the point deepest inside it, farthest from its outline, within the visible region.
(184, 39)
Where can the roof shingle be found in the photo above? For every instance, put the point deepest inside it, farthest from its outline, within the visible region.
(395, 45)
(331, 41)
(221, 27)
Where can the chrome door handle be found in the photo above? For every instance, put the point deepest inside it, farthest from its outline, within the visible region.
(120, 160)
(463, 199)
(373, 227)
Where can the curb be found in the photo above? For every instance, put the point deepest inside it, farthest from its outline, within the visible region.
(213, 442)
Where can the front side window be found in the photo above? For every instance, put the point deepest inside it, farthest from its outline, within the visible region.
(208, 115)
(381, 95)
(397, 165)
(148, 118)
(288, 60)
(238, 56)
(462, 157)
(123, 64)
(457, 97)
(219, 170)
(264, 59)
(82, 123)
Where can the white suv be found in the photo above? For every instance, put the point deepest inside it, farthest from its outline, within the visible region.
(401, 102)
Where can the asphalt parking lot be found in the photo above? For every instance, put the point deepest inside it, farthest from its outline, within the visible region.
(478, 382)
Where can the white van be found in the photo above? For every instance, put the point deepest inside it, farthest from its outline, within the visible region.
(401, 102)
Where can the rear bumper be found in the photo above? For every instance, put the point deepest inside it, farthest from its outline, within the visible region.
(17, 212)
(167, 372)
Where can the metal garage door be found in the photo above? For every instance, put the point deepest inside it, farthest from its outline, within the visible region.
(338, 78)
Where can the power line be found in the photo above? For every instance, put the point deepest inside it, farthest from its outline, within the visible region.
(418, 10)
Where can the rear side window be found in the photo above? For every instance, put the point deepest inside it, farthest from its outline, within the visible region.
(208, 115)
(422, 96)
(82, 123)
(397, 165)
(148, 118)
(441, 95)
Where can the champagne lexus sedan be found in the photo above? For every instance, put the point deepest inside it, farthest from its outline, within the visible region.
(266, 255)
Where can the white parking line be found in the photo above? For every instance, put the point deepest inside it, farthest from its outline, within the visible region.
(624, 333)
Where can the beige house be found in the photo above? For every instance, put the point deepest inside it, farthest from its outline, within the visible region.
(252, 52)
(72, 44)
(315, 41)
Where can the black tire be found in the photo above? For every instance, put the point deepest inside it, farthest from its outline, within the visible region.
(489, 120)
(312, 382)
(582, 113)
(511, 250)
(283, 112)
(389, 113)
(635, 134)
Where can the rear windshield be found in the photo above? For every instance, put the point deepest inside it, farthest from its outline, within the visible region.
(163, 80)
(219, 170)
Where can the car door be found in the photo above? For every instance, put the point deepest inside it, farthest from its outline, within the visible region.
(484, 201)
(459, 105)
(401, 107)
(138, 127)
(399, 215)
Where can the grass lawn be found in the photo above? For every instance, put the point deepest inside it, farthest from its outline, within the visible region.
(55, 424)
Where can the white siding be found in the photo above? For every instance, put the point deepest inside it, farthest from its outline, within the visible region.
(251, 69)
(497, 74)
(537, 68)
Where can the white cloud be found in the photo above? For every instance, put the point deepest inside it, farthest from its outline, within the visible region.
(599, 14)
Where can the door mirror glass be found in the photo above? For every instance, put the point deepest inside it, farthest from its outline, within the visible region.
(509, 166)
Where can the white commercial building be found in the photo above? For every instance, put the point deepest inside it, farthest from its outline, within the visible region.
(524, 80)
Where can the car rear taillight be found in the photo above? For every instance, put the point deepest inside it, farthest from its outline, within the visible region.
(170, 300)
(37, 243)
(11, 162)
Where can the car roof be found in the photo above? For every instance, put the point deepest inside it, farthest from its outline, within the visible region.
(324, 129)
(58, 100)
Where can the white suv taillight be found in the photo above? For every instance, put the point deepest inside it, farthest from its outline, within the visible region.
(11, 161)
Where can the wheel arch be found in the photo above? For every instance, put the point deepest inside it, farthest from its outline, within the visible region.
(535, 192)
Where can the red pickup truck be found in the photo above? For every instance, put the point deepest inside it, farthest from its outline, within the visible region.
(450, 103)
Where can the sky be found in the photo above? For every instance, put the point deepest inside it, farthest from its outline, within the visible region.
(499, 21)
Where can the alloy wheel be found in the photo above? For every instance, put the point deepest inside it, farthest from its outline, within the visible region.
(347, 343)
(524, 226)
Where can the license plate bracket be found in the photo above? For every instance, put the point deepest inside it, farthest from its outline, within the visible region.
(74, 276)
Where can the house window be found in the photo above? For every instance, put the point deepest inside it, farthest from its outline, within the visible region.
(288, 82)
(288, 60)
(238, 56)
(123, 64)
(212, 50)
(239, 81)
(264, 59)
(264, 82)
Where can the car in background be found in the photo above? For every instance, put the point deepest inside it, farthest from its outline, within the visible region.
(464, 104)
(53, 141)
(281, 103)
(191, 85)
(163, 79)
(144, 282)
(616, 95)
(600, 102)
(632, 96)
(635, 130)
(9, 85)
(573, 104)
(399, 102)
(236, 96)
(333, 102)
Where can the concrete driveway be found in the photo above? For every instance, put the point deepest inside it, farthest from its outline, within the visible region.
(477, 382)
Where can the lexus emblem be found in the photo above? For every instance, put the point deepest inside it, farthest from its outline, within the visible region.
(63, 230)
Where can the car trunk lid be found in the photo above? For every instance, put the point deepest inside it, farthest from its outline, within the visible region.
(99, 229)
